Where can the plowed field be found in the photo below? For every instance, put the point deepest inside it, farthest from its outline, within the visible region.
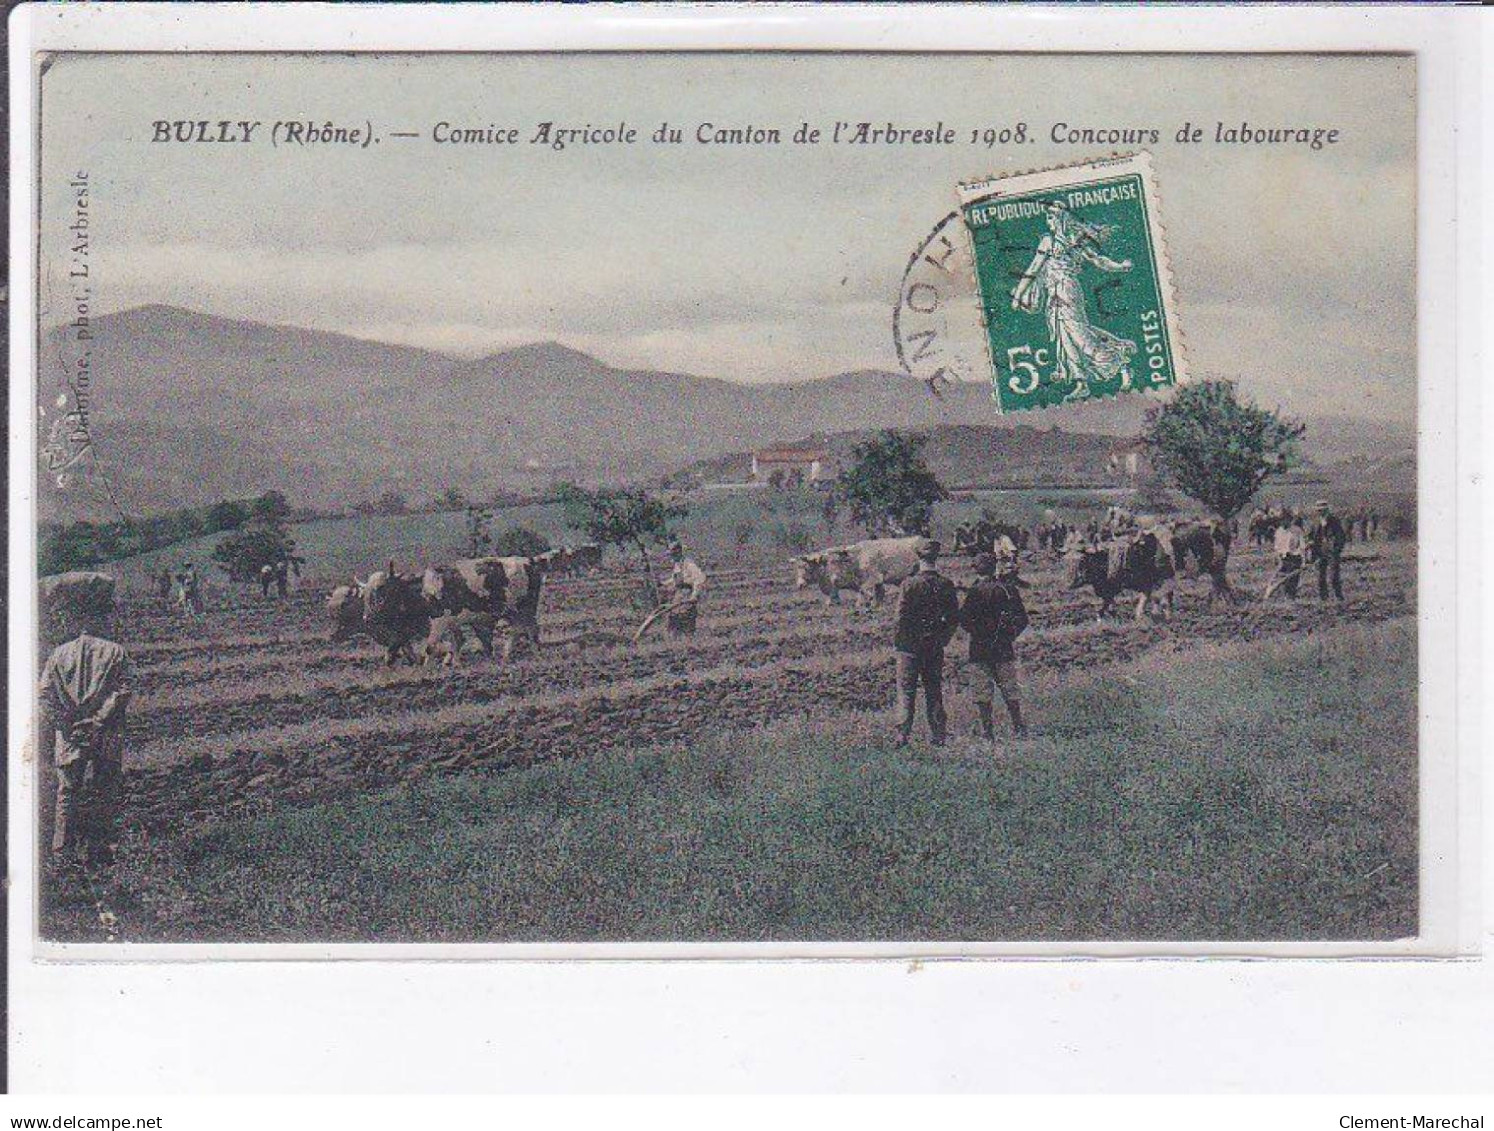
(252, 705)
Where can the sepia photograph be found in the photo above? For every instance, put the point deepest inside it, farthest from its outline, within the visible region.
(750, 498)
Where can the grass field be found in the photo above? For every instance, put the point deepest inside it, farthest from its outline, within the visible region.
(1251, 789)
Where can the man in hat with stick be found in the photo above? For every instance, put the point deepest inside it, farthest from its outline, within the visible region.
(928, 612)
(994, 616)
(82, 714)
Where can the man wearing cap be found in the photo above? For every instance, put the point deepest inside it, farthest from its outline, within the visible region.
(82, 715)
(1326, 540)
(994, 616)
(684, 588)
(928, 612)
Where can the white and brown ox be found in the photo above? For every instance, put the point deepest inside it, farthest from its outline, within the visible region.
(866, 568)
(482, 593)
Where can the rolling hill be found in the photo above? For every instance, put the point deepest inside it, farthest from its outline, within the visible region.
(191, 407)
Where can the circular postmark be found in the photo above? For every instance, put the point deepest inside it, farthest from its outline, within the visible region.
(936, 325)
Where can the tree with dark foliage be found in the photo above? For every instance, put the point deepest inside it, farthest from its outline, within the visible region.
(626, 517)
(259, 542)
(1218, 449)
(888, 487)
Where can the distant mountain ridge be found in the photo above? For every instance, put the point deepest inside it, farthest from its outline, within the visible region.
(191, 407)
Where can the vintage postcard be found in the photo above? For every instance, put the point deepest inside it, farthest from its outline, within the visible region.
(949, 503)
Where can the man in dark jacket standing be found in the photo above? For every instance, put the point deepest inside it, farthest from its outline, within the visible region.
(1326, 540)
(995, 616)
(928, 612)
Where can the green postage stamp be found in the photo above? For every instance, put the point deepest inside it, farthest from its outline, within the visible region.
(1075, 292)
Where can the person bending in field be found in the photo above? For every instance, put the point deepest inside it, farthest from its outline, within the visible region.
(82, 701)
(684, 589)
(994, 616)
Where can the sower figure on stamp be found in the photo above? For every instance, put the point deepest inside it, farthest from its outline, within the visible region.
(685, 587)
(994, 616)
(1327, 540)
(1082, 351)
(928, 612)
(82, 699)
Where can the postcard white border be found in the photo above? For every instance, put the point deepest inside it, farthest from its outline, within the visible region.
(1454, 923)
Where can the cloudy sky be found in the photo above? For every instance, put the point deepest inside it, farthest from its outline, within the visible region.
(1295, 268)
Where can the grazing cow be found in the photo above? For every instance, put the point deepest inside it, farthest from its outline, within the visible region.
(1140, 565)
(387, 608)
(865, 567)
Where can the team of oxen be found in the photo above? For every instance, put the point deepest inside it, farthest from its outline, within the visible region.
(425, 617)
(434, 610)
(1127, 553)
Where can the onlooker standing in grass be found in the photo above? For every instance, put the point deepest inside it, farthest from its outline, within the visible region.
(994, 616)
(83, 697)
(928, 612)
